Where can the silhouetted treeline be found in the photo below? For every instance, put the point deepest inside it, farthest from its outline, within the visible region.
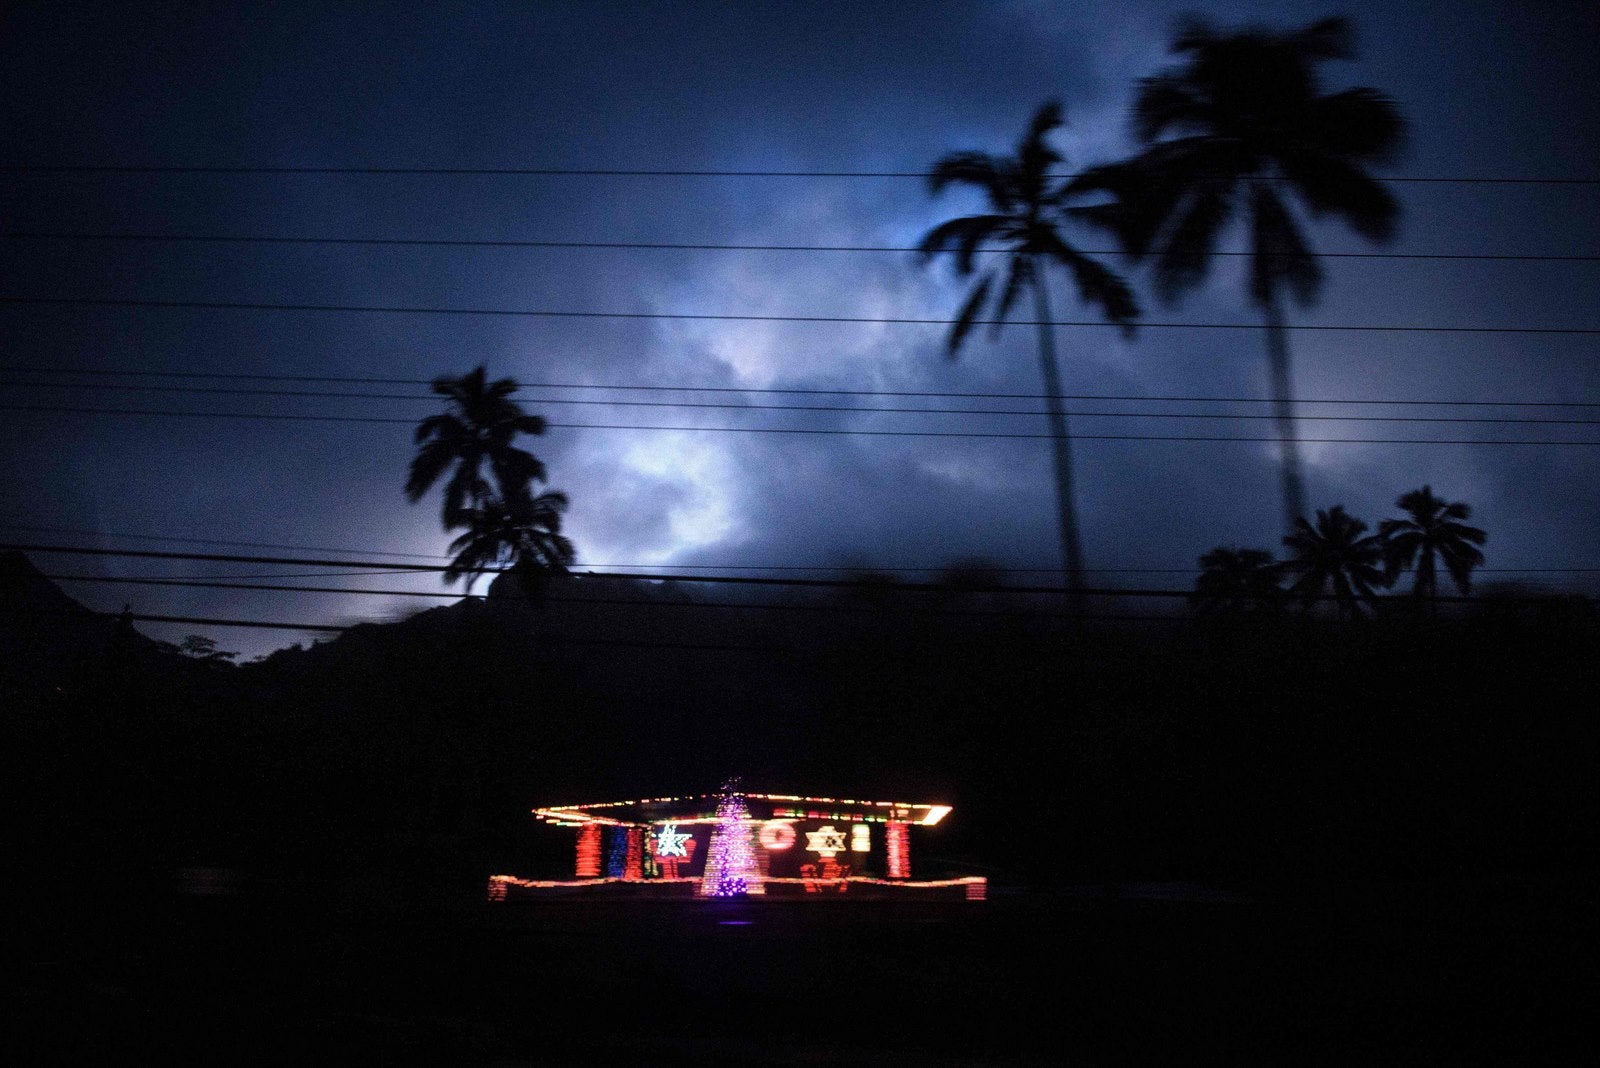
(410, 754)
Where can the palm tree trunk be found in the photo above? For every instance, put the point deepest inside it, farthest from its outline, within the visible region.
(1294, 486)
(1428, 581)
(1060, 440)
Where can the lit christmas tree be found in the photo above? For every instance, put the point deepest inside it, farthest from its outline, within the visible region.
(730, 862)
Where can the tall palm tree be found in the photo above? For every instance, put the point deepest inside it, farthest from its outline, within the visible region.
(1241, 130)
(1027, 210)
(477, 430)
(521, 534)
(1435, 531)
(1237, 582)
(1337, 553)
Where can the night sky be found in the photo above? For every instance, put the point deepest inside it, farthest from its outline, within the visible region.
(1490, 90)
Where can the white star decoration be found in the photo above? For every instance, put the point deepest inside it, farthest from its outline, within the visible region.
(669, 843)
(826, 842)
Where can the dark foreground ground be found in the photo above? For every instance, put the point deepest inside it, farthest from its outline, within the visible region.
(1490, 972)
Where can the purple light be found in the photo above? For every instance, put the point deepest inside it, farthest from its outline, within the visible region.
(730, 863)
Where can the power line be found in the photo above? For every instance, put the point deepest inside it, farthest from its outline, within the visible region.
(545, 313)
(822, 431)
(207, 622)
(852, 584)
(753, 605)
(546, 639)
(290, 575)
(236, 376)
(461, 595)
(731, 406)
(875, 568)
(557, 639)
(615, 172)
(211, 415)
(701, 246)
(152, 554)
(213, 541)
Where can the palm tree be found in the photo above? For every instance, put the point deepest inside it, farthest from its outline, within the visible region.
(1335, 554)
(1025, 217)
(1237, 582)
(1232, 133)
(521, 534)
(1435, 531)
(478, 429)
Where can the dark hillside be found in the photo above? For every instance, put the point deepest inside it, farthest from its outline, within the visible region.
(1276, 754)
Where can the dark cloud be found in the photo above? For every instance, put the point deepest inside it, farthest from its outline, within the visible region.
(1488, 90)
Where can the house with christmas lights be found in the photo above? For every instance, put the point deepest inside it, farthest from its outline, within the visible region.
(735, 842)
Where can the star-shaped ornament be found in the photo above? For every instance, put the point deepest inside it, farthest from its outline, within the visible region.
(669, 843)
(825, 842)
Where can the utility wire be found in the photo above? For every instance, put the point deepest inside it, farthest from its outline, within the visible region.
(557, 639)
(457, 596)
(545, 313)
(825, 431)
(688, 246)
(545, 639)
(743, 580)
(733, 406)
(617, 172)
(754, 605)
(207, 622)
(215, 541)
(235, 376)
(290, 575)
(885, 568)
(153, 554)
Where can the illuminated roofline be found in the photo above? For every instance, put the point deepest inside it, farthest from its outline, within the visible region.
(573, 815)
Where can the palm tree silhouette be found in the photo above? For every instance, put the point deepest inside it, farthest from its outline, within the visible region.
(1234, 130)
(1336, 553)
(521, 534)
(1027, 211)
(1434, 531)
(1237, 582)
(478, 430)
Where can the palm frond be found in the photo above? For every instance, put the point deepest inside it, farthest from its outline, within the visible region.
(1459, 561)
(1332, 186)
(1150, 188)
(964, 234)
(969, 312)
(437, 426)
(1018, 272)
(515, 470)
(1279, 255)
(1128, 216)
(1191, 238)
(465, 486)
(1192, 33)
(1097, 284)
(1464, 533)
(1361, 125)
(974, 168)
(426, 467)
(1048, 117)
(1035, 157)
(1167, 103)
